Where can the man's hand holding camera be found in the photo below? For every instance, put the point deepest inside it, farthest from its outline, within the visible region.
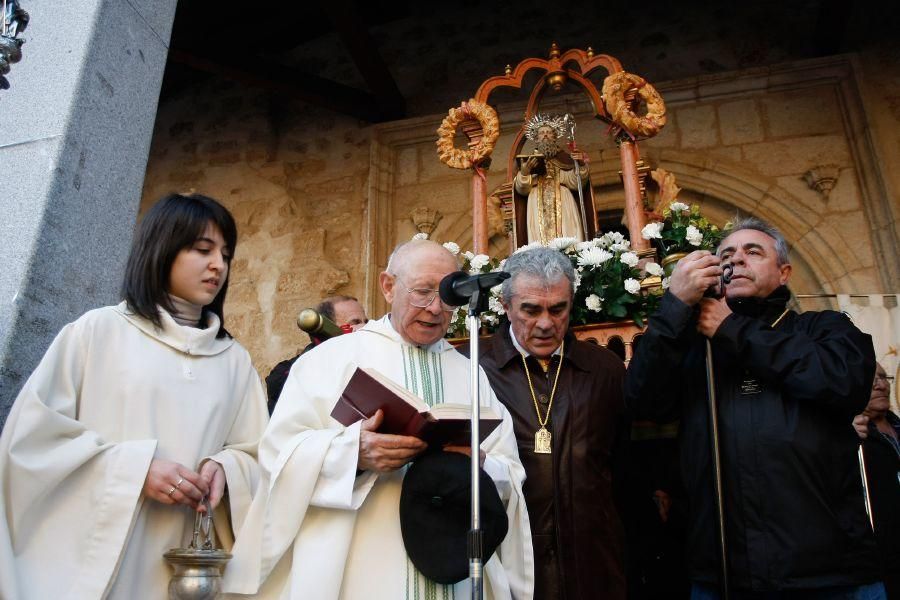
(694, 275)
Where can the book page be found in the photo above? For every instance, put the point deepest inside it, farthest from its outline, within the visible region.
(401, 391)
(450, 410)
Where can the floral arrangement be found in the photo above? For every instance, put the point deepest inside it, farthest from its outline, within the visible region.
(607, 277)
(683, 229)
(607, 282)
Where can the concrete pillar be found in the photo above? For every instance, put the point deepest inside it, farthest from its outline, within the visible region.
(75, 131)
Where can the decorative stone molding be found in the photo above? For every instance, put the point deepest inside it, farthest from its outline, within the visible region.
(822, 178)
(425, 219)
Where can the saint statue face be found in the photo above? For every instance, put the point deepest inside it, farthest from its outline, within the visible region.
(546, 142)
(545, 132)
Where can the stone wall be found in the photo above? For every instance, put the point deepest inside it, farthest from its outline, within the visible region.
(320, 199)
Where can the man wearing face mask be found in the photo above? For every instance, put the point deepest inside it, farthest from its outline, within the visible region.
(788, 386)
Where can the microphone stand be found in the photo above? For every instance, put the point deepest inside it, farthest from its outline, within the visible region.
(477, 305)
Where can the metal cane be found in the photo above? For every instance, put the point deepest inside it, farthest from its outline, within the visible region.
(717, 467)
(861, 458)
(716, 454)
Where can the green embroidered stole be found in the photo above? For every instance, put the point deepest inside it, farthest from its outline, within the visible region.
(424, 376)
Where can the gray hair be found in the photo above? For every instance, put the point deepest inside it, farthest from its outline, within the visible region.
(546, 264)
(756, 224)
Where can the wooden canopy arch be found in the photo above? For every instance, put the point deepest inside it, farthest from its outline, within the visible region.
(573, 65)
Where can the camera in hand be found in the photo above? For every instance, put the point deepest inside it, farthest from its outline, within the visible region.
(717, 290)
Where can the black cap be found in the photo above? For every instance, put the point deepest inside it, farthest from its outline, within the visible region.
(435, 515)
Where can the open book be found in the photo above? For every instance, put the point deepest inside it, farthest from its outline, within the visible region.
(406, 414)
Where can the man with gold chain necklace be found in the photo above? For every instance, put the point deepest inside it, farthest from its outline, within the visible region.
(565, 398)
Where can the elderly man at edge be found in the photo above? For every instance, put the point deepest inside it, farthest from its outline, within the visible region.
(879, 427)
(550, 381)
(325, 524)
(788, 386)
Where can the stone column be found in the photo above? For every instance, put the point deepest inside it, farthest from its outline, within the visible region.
(74, 137)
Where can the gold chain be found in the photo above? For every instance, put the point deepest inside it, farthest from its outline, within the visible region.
(542, 421)
(778, 320)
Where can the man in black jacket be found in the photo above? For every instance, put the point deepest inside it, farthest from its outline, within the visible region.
(788, 386)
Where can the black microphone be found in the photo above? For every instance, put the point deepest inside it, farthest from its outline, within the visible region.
(456, 288)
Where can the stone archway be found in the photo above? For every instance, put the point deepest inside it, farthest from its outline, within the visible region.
(822, 256)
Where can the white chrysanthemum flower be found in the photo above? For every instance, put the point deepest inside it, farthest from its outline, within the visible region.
(593, 302)
(679, 207)
(623, 246)
(582, 246)
(693, 236)
(593, 257)
(665, 283)
(577, 281)
(495, 306)
(468, 255)
(632, 286)
(654, 269)
(629, 258)
(652, 231)
(489, 319)
(529, 247)
(453, 247)
(420, 236)
(561, 243)
(478, 262)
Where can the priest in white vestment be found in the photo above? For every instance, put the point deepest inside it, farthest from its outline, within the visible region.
(325, 522)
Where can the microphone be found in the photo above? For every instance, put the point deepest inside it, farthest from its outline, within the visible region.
(456, 288)
(317, 325)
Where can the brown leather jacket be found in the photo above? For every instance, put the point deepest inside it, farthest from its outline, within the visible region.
(577, 534)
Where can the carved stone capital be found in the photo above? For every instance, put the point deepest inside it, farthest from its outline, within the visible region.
(425, 219)
(822, 178)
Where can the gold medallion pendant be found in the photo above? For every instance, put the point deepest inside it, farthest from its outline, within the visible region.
(542, 441)
(542, 435)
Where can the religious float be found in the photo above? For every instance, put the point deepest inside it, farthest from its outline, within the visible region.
(619, 277)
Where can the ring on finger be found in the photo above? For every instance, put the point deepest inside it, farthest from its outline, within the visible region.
(172, 491)
(180, 481)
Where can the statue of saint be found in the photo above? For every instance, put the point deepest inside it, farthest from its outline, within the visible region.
(548, 178)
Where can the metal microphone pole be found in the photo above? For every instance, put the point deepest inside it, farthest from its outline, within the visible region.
(476, 560)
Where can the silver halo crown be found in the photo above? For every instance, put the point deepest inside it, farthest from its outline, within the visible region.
(539, 120)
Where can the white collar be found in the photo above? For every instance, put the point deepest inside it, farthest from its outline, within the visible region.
(384, 327)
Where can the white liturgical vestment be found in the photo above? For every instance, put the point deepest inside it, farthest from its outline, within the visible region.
(318, 530)
(112, 393)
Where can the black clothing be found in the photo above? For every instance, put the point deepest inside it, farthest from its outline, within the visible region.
(576, 532)
(278, 376)
(787, 396)
(883, 474)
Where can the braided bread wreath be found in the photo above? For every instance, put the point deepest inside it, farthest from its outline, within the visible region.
(614, 89)
(490, 126)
